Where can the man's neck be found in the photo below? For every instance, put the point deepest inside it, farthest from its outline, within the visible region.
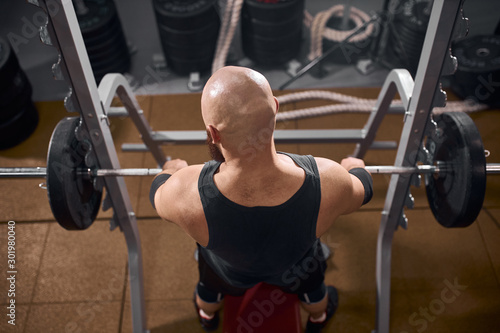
(253, 162)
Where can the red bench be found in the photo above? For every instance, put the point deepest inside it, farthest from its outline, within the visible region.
(263, 309)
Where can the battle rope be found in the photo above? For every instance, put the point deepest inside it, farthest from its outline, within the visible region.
(355, 105)
(319, 30)
(230, 21)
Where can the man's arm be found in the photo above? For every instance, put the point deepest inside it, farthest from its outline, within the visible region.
(362, 183)
(341, 192)
(169, 168)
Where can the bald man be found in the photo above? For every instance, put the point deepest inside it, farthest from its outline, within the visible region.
(257, 214)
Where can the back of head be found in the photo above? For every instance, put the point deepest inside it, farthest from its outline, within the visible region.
(239, 103)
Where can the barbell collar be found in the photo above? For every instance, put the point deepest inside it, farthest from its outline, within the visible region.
(40, 172)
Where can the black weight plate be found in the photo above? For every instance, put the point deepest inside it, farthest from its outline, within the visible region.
(15, 97)
(414, 14)
(273, 43)
(184, 66)
(120, 57)
(273, 12)
(19, 127)
(478, 69)
(120, 65)
(9, 65)
(185, 14)
(110, 33)
(110, 50)
(98, 19)
(411, 37)
(269, 58)
(256, 27)
(207, 34)
(182, 8)
(190, 52)
(456, 196)
(478, 54)
(73, 199)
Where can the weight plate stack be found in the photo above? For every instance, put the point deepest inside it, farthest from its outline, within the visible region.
(104, 38)
(271, 32)
(406, 39)
(18, 115)
(478, 73)
(188, 31)
(347, 53)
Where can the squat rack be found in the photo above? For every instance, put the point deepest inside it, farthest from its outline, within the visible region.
(94, 105)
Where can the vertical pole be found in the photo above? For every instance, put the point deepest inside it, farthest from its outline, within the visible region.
(63, 32)
(436, 44)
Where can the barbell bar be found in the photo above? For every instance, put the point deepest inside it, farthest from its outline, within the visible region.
(41, 172)
(455, 171)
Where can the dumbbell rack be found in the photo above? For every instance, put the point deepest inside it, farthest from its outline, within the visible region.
(94, 105)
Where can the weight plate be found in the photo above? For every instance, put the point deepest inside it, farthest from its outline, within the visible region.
(121, 65)
(478, 54)
(114, 48)
(270, 58)
(478, 69)
(73, 199)
(15, 97)
(256, 27)
(9, 65)
(207, 34)
(456, 195)
(415, 14)
(273, 43)
(277, 11)
(189, 52)
(183, 66)
(98, 19)
(19, 127)
(114, 30)
(182, 8)
(185, 14)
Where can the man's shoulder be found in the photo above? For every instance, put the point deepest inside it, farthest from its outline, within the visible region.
(186, 175)
(327, 165)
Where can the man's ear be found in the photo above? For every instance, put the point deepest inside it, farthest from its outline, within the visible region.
(277, 104)
(214, 133)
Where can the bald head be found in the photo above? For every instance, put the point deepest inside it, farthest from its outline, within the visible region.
(238, 102)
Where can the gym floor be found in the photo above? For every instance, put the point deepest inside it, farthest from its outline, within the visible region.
(77, 281)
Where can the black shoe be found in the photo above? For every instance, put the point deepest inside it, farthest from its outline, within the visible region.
(208, 325)
(333, 302)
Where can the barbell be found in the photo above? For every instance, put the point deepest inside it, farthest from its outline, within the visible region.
(455, 172)
(41, 172)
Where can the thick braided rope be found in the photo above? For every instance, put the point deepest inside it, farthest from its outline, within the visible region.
(319, 30)
(355, 105)
(233, 11)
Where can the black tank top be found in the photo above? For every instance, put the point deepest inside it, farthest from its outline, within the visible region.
(248, 245)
